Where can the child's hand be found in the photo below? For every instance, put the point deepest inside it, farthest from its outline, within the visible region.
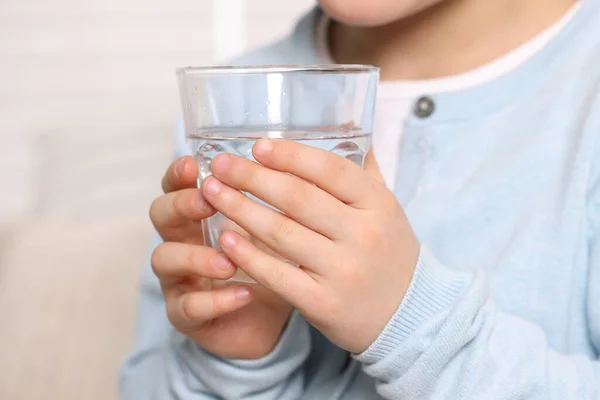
(339, 222)
(229, 320)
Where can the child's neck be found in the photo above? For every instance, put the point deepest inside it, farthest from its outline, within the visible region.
(454, 37)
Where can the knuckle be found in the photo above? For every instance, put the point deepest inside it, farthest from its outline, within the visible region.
(354, 273)
(154, 210)
(173, 312)
(371, 235)
(192, 258)
(231, 201)
(237, 207)
(282, 231)
(251, 177)
(157, 259)
(172, 316)
(178, 204)
(336, 165)
(196, 259)
(276, 279)
(294, 193)
(169, 177)
(339, 263)
(219, 301)
(190, 309)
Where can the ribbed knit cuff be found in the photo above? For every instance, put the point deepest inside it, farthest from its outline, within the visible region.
(434, 289)
(194, 372)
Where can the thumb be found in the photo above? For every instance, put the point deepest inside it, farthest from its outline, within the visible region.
(372, 167)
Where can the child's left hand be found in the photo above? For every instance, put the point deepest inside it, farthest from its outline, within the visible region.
(351, 238)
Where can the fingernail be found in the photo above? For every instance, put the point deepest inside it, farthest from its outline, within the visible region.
(263, 147)
(180, 167)
(228, 240)
(223, 263)
(242, 293)
(200, 201)
(220, 163)
(213, 186)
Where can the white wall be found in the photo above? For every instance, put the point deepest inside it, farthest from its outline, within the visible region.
(88, 96)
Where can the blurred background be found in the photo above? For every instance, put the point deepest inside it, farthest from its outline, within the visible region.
(88, 105)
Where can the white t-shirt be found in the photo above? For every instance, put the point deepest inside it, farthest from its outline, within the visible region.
(396, 99)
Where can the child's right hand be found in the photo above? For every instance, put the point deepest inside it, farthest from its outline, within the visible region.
(226, 319)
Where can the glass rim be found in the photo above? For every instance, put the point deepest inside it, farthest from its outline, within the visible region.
(279, 69)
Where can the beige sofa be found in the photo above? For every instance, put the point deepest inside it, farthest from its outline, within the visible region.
(67, 299)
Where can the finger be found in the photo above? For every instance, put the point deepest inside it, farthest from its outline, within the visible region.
(172, 262)
(192, 309)
(182, 174)
(176, 208)
(336, 175)
(290, 282)
(372, 167)
(298, 199)
(282, 234)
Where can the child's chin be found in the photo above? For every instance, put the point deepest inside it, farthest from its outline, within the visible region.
(373, 12)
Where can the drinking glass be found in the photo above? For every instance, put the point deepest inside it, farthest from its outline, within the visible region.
(226, 109)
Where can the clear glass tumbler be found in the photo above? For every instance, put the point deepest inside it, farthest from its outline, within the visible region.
(226, 109)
